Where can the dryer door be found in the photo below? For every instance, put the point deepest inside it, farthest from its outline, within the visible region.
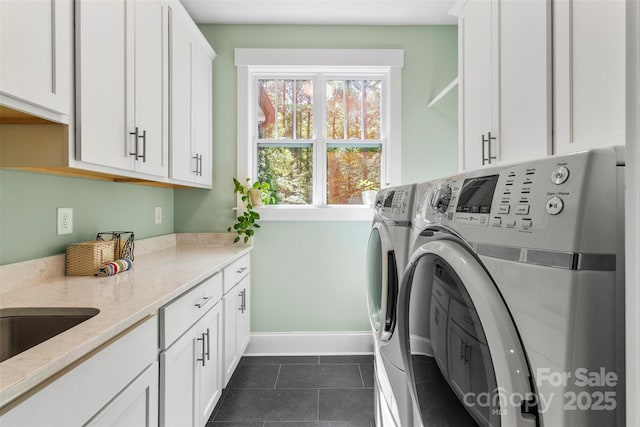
(475, 342)
(382, 281)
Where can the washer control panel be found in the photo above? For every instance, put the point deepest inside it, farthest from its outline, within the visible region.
(395, 203)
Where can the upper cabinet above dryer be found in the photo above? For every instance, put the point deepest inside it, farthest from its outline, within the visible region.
(504, 68)
(589, 74)
(36, 45)
(535, 83)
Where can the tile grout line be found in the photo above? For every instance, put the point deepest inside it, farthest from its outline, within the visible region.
(318, 417)
(361, 376)
(275, 385)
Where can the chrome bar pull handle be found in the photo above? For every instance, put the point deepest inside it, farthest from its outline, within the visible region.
(208, 344)
(241, 305)
(203, 353)
(136, 135)
(201, 303)
(487, 141)
(144, 147)
(196, 159)
(200, 164)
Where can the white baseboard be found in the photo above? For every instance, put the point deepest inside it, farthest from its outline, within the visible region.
(421, 345)
(309, 343)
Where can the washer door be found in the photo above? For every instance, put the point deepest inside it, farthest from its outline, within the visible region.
(382, 282)
(475, 342)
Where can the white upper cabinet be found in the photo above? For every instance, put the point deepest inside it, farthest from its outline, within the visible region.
(505, 81)
(191, 100)
(589, 74)
(36, 57)
(525, 83)
(122, 93)
(475, 81)
(539, 83)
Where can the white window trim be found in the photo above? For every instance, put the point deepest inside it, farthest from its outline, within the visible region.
(255, 61)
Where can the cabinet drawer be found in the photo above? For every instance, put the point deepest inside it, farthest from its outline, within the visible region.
(440, 294)
(236, 271)
(467, 319)
(177, 316)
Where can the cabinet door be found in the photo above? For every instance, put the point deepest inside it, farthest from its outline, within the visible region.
(102, 39)
(477, 375)
(182, 164)
(243, 327)
(35, 53)
(231, 306)
(201, 114)
(457, 365)
(438, 328)
(475, 68)
(150, 95)
(525, 80)
(136, 405)
(178, 385)
(589, 74)
(210, 370)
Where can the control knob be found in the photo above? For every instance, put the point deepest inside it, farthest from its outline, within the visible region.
(440, 198)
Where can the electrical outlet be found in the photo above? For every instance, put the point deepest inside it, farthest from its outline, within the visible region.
(158, 215)
(65, 221)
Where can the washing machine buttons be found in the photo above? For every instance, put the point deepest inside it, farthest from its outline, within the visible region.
(503, 209)
(560, 175)
(511, 223)
(526, 223)
(496, 222)
(522, 209)
(554, 205)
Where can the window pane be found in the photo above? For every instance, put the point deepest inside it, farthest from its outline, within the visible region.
(285, 105)
(289, 172)
(304, 109)
(350, 171)
(350, 104)
(372, 101)
(335, 109)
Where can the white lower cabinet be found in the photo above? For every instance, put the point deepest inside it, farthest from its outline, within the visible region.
(116, 386)
(190, 366)
(237, 319)
(136, 405)
(438, 324)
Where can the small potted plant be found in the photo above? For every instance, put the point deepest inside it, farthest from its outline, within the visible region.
(369, 191)
(254, 195)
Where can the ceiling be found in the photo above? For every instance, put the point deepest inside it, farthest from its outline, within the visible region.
(322, 12)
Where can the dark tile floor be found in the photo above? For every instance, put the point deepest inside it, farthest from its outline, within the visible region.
(298, 391)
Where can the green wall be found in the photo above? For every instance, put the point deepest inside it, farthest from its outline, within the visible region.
(309, 276)
(306, 276)
(28, 203)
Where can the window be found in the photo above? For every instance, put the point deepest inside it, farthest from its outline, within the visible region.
(318, 134)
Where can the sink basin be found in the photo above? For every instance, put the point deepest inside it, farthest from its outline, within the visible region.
(23, 328)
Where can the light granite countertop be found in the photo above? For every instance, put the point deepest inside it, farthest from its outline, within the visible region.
(157, 277)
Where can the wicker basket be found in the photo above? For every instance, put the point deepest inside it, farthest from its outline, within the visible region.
(123, 242)
(83, 259)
